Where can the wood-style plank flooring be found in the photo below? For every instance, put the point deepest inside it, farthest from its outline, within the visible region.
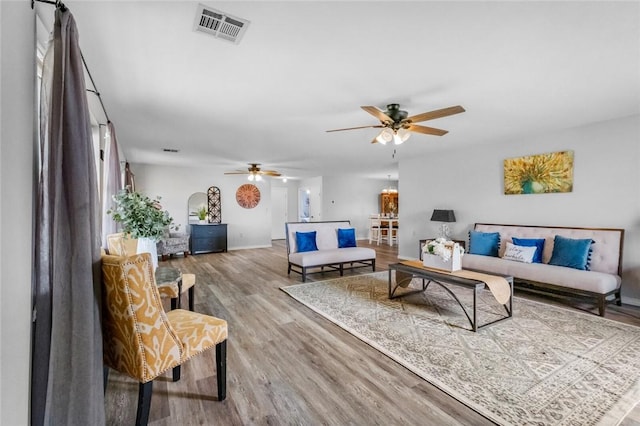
(287, 365)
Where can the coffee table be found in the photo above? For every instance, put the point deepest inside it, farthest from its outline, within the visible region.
(405, 273)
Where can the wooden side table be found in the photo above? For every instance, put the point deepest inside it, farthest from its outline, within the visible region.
(423, 242)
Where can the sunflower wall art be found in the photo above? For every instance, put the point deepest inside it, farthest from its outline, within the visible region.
(539, 174)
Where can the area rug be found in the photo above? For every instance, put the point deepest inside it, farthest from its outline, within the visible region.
(545, 366)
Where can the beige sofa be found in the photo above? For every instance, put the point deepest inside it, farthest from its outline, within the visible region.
(601, 283)
(328, 255)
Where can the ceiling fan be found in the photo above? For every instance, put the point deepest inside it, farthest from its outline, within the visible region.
(397, 126)
(254, 172)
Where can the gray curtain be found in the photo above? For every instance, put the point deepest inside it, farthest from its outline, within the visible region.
(67, 384)
(112, 182)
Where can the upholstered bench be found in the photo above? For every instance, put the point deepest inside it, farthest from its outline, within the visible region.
(316, 245)
(598, 279)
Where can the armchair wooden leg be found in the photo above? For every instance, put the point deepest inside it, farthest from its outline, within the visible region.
(176, 373)
(191, 300)
(144, 403)
(105, 377)
(174, 303)
(221, 369)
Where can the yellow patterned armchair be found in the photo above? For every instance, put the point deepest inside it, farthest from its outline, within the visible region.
(141, 339)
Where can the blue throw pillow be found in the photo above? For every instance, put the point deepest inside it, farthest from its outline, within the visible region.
(346, 237)
(571, 253)
(531, 242)
(484, 243)
(306, 241)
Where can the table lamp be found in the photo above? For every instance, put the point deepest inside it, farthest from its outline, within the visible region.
(444, 216)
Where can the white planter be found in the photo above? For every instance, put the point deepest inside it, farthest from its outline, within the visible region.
(148, 245)
(434, 261)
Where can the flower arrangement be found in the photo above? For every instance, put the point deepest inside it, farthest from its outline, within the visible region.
(140, 216)
(441, 247)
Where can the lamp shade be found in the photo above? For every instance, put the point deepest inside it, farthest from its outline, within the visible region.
(443, 216)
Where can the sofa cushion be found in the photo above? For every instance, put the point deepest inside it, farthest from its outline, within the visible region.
(306, 241)
(570, 252)
(484, 243)
(598, 282)
(332, 256)
(346, 237)
(518, 253)
(529, 242)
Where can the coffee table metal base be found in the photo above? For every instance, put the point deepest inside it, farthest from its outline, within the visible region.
(406, 273)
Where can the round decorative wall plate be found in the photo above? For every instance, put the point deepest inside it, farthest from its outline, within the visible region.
(248, 196)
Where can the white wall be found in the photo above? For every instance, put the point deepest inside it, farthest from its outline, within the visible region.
(246, 228)
(605, 191)
(17, 76)
(346, 197)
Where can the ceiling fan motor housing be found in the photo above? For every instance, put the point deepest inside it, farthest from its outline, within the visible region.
(395, 113)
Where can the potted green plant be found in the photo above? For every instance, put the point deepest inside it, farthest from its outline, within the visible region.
(141, 218)
(202, 214)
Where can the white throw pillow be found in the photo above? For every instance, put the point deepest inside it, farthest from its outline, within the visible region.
(519, 253)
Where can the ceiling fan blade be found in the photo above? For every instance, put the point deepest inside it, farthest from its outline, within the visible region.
(427, 130)
(353, 128)
(377, 113)
(238, 172)
(269, 173)
(435, 114)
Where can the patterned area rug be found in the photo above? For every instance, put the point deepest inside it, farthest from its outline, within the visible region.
(545, 366)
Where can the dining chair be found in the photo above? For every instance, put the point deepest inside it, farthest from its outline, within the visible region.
(375, 232)
(121, 245)
(143, 341)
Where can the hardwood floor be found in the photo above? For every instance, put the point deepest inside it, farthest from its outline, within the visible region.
(288, 365)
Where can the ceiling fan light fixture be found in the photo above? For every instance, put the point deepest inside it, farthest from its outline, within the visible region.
(386, 135)
(258, 178)
(401, 135)
(251, 177)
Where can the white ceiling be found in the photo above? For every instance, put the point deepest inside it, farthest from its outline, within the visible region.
(303, 67)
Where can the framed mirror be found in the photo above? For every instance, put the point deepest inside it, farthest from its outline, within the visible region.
(196, 205)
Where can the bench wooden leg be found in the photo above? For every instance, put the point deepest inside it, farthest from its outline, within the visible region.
(602, 303)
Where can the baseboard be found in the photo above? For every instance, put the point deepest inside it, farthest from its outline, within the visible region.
(631, 301)
(249, 247)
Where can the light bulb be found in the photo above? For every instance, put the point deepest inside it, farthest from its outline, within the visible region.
(404, 134)
(258, 178)
(284, 179)
(251, 177)
(386, 135)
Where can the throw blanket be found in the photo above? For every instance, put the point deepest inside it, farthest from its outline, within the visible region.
(499, 286)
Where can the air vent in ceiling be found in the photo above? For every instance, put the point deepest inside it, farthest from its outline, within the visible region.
(220, 24)
(170, 150)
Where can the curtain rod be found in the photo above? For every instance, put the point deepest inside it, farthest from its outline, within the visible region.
(61, 6)
(57, 3)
